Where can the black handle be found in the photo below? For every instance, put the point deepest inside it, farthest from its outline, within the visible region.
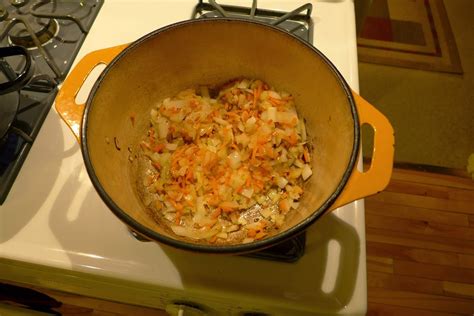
(25, 75)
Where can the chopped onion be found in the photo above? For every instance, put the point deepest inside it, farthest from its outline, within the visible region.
(222, 235)
(225, 167)
(193, 233)
(306, 173)
(283, 157)
(250, 124)
(286, 117)
(278, 219)
(294, 205)
(242, 221)
(163, 127)
(232, 228)
(299, 163)
(247, 192)
(242, 139)
(295, 173)
(282, 182)
(200, 217)
(244, 84)
(171, 147)
(221, 121)
(266, 212)
(302, 127)
(274, 95)
(274, 196)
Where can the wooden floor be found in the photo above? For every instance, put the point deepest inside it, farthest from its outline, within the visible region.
(420, 246)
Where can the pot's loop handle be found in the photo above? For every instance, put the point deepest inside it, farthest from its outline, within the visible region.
(65, 102)
(374, 180)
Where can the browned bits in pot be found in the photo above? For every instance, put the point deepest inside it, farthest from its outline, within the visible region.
(133, 116)
(117, 144)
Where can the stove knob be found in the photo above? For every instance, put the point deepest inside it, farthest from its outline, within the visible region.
(18, 3)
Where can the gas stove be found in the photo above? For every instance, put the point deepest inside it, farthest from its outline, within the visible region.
(53, 32)
(64, 224)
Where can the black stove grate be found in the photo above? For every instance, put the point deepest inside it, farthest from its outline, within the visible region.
(53, 48)
(297, 22)
(53, 32)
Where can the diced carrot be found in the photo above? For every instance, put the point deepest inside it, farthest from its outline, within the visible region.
(245, 116)
(256, 94)
(258, 184)
(132, 118)
(248, 182)
(189, 203)
(275, 101)
(176, 205)
(251, 233)
(212, 223)
(212, 200)
(189, 174)
(254, 152)
(216, 213)
(233, 114)
(284, 205)
(178, 217)
(194, 103)
(292, 139)
(159, 148)
(306, 156)
(213, 239)
(229, 206)
(144, 145)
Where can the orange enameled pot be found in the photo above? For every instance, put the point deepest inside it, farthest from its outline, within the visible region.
(212, 51)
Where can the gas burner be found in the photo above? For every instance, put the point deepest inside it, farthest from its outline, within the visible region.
(43, 29)
(297, 22)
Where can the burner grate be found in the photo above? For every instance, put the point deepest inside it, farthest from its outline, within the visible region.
(297, 22)
(43, 25)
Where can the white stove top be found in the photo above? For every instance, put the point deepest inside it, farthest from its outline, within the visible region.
(54, 217)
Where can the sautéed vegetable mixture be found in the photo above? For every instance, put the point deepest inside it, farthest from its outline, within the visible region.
(224, 166)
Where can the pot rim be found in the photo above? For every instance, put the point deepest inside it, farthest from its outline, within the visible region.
(207, 248)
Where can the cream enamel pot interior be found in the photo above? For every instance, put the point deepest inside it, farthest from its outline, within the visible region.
(212, 51)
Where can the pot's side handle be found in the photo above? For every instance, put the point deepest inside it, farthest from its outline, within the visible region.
(376, 178)
(65, 102)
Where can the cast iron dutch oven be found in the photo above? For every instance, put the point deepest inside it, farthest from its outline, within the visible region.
(212, 51)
